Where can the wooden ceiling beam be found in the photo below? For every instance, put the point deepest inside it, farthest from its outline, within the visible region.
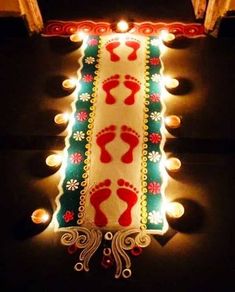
(212, 12)
(27, 9)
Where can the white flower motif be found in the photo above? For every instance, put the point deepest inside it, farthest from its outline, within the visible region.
(89, 60)
(155, 116)
(79, 135)
(155, 217)
(154, 156)
(85, 96)
(155, 42)
(156, 77)
(72, 184)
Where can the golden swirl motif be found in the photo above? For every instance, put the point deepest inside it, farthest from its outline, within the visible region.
(124, 240)
(83, 238)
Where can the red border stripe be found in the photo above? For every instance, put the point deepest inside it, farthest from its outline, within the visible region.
(66, 28)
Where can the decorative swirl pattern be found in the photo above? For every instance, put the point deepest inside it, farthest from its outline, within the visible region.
(101, 28)
(142, 239)
(89, 241)
(124, 240)
(83, 238)
(64, 28)
(70, 28)
(145, 28)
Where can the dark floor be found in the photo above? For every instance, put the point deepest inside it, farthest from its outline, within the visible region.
(197, 258)
(138, 9)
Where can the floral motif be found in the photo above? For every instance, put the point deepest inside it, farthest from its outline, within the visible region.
(156, 77)
(85, 96)
(155, 97)
(155, 116)
(154, 187)
(76, 158)
(89, 60)
(154, 61)
(68, 216)
(155, 217)
(92, 42)
(87, 78)
(155, 138)
(82, 116)
(72, 185)
(79, 135)
(155, 42)
(154, 156)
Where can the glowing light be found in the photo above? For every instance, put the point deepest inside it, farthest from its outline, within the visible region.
(174, 210)
(40, 216)
(77, 37)
(61, 118)
(54, 160)
(69, 84)
(170, 83)
(122, 26)
(173, 121)
(173, 164)
(166, 36)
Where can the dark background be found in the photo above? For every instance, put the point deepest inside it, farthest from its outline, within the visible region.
(197, 255)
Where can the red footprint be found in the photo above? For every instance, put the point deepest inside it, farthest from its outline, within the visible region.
(134, 85)
(110, 47)
(99, 194)
(135, 45)
(108, 85)
(105, 136)
(128, 194)
(129, 136)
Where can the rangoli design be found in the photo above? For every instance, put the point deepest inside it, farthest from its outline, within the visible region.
(112, 190)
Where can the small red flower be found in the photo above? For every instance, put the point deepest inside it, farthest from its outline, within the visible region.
(76, 158)
(155, 97)
(154, 61)
(155, 138)
(82, 116)
(92, 42)
(87, 78)
(154, 187)
(68, 216)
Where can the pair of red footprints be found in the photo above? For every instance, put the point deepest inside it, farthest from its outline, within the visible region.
(106, 135)
(112, 82)
(114, 44)
(101, 192)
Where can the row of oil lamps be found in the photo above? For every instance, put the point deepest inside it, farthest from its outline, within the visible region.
(172, 164)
